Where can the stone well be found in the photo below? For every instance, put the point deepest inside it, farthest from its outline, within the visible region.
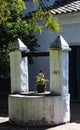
(32, 108)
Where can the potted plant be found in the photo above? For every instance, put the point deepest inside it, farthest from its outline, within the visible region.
(41, 82)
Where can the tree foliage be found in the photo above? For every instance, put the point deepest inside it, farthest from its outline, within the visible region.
(44, 13)
(12, 26)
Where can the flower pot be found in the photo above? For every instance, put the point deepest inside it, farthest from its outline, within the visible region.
(41, 88)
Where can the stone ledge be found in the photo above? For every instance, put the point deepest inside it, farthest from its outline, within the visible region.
(35, 93)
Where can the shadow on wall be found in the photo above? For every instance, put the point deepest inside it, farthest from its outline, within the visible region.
(39, 63)
(5, 84)
(4, 92)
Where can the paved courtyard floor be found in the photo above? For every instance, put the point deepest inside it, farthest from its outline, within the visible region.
(73, 125)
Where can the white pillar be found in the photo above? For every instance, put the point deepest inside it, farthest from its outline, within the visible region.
(18, 67)
(59, 66)
(59, 78)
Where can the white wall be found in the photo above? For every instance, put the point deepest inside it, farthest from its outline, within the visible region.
(31, 6)
(70, 24)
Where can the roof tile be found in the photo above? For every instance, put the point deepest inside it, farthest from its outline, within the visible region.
(65, 6)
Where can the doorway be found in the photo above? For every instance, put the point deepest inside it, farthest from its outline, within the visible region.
(74, 72)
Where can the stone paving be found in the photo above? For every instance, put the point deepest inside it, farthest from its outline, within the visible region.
(73, 125)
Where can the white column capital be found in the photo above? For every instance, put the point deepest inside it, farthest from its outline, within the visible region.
(59, 44)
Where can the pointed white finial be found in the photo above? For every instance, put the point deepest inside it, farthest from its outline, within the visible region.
(60, 43)
(18, 45)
